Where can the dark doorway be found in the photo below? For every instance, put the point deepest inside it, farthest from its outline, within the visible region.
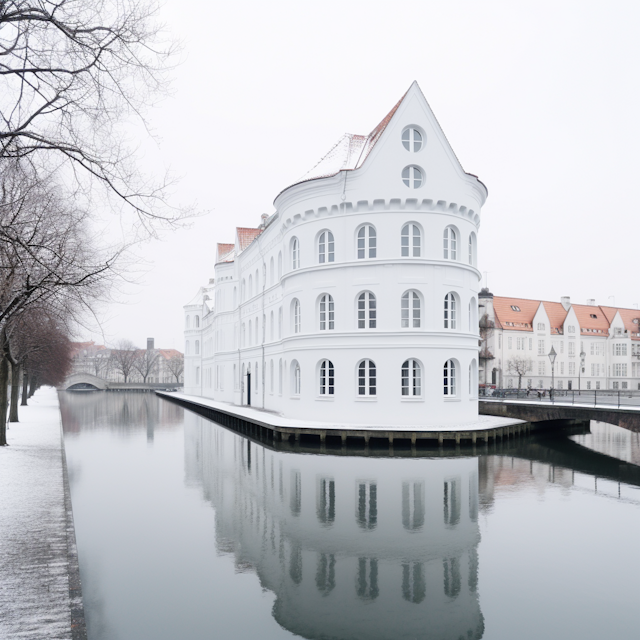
(248, 389)
(570, 383)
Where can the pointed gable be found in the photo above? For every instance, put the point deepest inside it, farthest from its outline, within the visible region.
(225, 252)
(245, 236)
(556, 314)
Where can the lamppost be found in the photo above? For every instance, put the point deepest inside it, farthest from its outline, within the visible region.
(583, 355)
(552, 356)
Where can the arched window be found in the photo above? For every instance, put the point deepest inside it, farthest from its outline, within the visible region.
(450, 244)
(410, 310)
(258, 285)
(410, 241)
(197, 322)
(280, 377)
(186, 348)
(197, 347)
(187, 322)
(272, 326)
(271, 376)
(250, 331)
(473, 316)
(366, 310)
(367, 378)
(472, 249)
(235, 297)
(243, 292)
(255, 385)
(296, 315)
(280, 266)
(450, 312)
(295, 254)
(326, 378)
(250, 288)
(449, 378)
(411, 139)
(411, 375)
(295, 379)
(280, 323)
(326, 313)
(257, 332)
(412, 177)
(366, 242)
(272, 271)
(244, 334)
(325, 247)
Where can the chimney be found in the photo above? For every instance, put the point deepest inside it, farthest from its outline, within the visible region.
(591, 302)
(263, 220)
(150, 342)
(566, 302)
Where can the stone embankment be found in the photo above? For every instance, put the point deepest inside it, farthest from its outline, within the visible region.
(40, 593)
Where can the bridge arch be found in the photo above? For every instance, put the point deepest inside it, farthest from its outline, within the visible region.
(83, 381)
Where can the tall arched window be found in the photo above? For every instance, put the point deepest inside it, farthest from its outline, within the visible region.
(325, 247)
(449, 378)
(410, 310)
(272, 326)
(450, 244)
(411, 375)
(280, 266)
(235, 297)
(257, 332)
(366, 242)
(326, 378)
(473, 316)
(367, 380)
(197, 322)
(272, 271)
(271, 376)
(326, 313)
(410, 241)
(280, 323)
(244, 334)
(296, 315)
(258, 285)
(197, 347)
(255, 386)
(295, 254)
(186, 348)
(187, 322)
(280, 377)
(450, 312)
(472, 249)
(250, 331)
(366, 310)
(250, 288)
(243, 292)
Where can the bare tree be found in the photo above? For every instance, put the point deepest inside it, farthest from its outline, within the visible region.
(146, 363)
(519, 366)
(72, 70)
(123, 358)
(175, 365)
(101, 363)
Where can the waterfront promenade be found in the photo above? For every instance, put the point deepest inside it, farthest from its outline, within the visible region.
(40, 596)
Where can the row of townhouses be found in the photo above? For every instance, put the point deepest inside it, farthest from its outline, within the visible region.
(596, 347)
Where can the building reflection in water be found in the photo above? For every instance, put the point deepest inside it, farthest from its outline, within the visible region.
(352, 547)
(120, 412)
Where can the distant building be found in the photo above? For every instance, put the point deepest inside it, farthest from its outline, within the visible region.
(597, 347)
(356, 300)
(96, 359)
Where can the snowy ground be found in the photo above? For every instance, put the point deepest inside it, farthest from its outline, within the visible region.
(35, 599)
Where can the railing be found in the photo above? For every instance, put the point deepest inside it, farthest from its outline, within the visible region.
(600, 397)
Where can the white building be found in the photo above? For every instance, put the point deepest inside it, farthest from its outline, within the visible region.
(597, 347)
(356, 301)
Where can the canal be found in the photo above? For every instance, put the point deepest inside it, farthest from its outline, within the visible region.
(187, 530)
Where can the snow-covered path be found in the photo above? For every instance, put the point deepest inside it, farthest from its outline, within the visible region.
(37, 545)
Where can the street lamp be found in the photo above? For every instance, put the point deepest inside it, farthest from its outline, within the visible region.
(552, 356)
(583, 355)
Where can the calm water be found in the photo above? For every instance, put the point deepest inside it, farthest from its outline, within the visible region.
(188, 531)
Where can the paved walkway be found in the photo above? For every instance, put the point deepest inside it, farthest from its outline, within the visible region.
(271, 419)
(40, 596)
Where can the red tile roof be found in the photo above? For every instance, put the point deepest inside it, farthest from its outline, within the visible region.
(246, 236)
(224, 251)
(557, 315)
(509, 318)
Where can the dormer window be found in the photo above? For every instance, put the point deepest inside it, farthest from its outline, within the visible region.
(594, 316)
(515, 307)
(412, 139)
(412, 177)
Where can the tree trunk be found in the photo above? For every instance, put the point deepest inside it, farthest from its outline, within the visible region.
(4, 380)
(25, 388)
(33, 382)
(16, 375)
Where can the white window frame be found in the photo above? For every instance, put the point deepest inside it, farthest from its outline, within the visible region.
(411, 241)
(411, 379)
(326, 386)
(367, 311)
(326, 247)
(296, 316)
(410, 310)
(326, 313)
(295, 254)
(450, 311)
(412, 139)
(449, 379)
(413, 176)
(367, 379)
(366, 242)
(450, 243)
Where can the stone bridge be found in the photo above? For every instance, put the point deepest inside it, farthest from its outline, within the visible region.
(531, 411)
(89, 382)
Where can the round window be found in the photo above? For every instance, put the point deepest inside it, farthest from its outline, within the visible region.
(412, 139)
(412, 177)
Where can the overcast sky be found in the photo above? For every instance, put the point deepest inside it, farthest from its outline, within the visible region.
(540, 100)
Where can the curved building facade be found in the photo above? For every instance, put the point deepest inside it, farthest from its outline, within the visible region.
(356, 301)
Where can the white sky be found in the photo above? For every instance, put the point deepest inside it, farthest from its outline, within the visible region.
(540, 100)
